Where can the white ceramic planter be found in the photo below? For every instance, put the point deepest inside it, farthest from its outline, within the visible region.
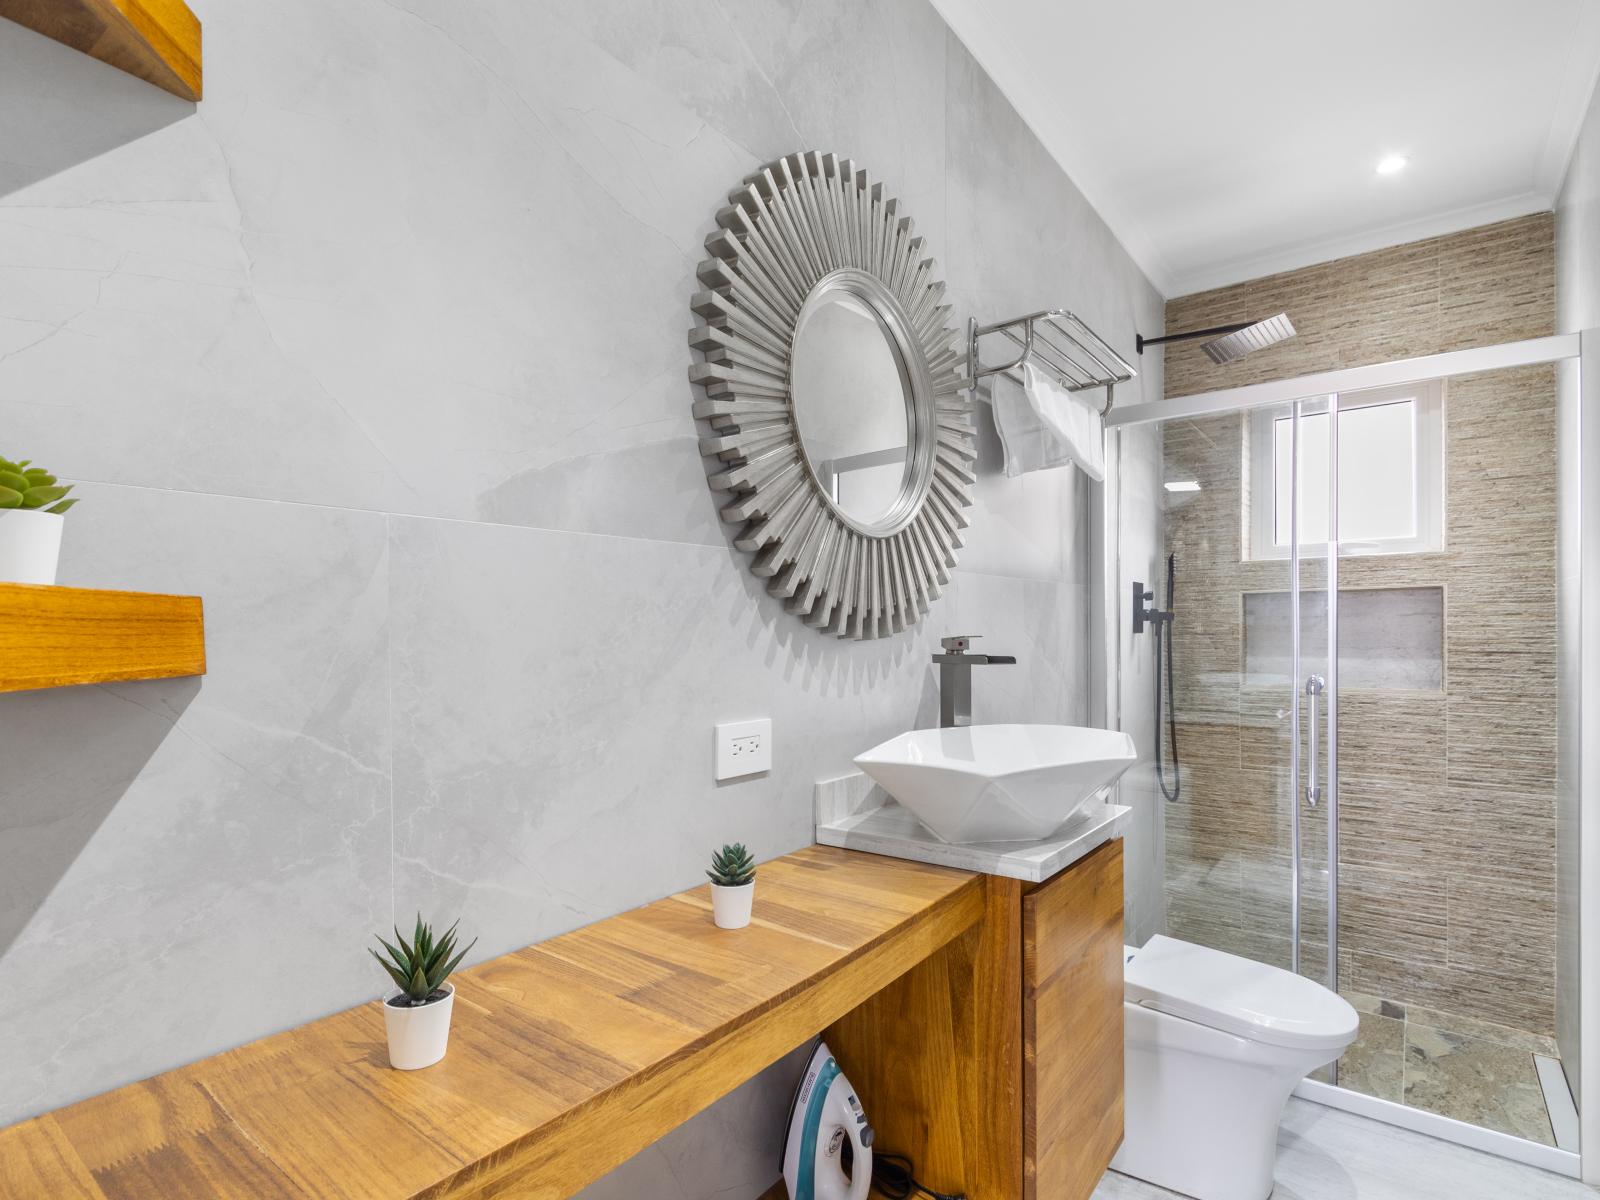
(730, 906)
(30, 545)
(418, 1037)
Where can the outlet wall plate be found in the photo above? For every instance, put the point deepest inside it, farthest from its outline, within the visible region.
(743, 748)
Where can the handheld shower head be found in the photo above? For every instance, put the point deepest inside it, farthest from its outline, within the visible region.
(1231, 342)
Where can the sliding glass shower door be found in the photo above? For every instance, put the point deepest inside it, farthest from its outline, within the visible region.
(1247, 840)
(1348, 491)
(1264, 509)
(1365, 686)
(1295, 502)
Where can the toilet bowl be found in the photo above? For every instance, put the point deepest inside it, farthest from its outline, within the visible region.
(1213, 1046)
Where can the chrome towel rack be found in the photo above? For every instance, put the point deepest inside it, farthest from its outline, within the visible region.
(1060, 343)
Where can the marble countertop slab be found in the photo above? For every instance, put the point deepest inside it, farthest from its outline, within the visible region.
(855, 813)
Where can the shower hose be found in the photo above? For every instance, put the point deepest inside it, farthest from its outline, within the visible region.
(1164, 629)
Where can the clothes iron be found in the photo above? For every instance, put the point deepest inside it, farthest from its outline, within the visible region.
(829, 1153)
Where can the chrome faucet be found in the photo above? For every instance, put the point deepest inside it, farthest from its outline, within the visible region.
(955, 678)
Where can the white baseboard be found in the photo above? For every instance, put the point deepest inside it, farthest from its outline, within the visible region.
(1562, 1162)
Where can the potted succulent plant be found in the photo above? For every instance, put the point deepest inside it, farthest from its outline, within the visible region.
(416, 1014)
(733, 886)
(31, 506)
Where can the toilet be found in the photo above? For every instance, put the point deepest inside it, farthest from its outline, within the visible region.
(1214, 1044)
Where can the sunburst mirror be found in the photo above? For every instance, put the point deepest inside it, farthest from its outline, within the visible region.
(832, 401)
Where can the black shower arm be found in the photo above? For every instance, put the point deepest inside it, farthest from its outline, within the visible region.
(1140, 341)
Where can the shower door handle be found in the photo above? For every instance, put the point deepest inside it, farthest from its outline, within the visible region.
(1314, 686)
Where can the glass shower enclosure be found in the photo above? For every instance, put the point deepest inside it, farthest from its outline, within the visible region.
(1364, 713)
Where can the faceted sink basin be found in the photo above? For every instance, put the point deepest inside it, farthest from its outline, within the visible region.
(998, 783)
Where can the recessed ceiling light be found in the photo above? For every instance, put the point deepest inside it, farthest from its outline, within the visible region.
(1392, 164)
(1182, 485)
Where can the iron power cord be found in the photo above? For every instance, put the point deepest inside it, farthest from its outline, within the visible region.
(891, 1175)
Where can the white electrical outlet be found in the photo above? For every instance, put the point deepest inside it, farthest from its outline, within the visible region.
(743, 748)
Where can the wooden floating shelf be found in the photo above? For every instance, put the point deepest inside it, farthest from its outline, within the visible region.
(60, 636)
(566, 1058)
(157, 40)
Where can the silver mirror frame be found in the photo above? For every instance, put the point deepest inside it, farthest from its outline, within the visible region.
(806, 222)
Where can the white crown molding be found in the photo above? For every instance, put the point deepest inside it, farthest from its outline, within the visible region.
(1306, 254)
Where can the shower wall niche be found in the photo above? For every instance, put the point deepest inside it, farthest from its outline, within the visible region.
(1389, 637)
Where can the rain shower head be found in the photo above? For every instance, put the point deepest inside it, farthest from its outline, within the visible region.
(1230, 342)
(1249, 339)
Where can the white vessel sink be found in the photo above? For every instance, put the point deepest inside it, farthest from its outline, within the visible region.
(998, 783)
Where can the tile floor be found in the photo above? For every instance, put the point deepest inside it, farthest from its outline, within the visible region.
(1325, 1154)
(1458, 1067)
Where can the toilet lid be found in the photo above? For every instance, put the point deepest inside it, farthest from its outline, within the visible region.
(1237, 995)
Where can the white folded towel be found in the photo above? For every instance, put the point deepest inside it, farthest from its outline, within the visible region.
(1042, 425)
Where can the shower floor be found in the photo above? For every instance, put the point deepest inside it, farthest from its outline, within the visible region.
(1459, 1067)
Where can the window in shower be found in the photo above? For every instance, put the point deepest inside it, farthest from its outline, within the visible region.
(1391, 477)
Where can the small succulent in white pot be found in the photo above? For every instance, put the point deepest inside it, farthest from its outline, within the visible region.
(733, 886)
(32, 505)
(416, 1014)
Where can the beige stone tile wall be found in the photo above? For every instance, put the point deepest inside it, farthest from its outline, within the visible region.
(1475, 288)
(1447, 824)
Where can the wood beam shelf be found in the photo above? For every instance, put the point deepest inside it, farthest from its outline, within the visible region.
(61, 636)
(565, 1058)
(157, 40)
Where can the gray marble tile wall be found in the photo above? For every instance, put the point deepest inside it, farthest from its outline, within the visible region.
(381, 350)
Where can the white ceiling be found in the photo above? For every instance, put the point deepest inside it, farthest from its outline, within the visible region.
(1230, 139)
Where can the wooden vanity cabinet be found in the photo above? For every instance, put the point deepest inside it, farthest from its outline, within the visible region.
(1072, 1026)
(996, 1065)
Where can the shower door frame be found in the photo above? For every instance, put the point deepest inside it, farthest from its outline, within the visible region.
(1298, 682)
(1576, 349)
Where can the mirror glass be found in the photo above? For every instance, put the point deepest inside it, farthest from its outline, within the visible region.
(852, 405)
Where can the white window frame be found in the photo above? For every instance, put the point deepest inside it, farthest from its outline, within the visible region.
(1430, 493)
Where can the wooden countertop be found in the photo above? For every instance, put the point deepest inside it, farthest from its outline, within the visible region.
(565, 1058)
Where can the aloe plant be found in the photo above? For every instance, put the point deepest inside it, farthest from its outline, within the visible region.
(23, 485)
(732, 866)
(420, 967)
